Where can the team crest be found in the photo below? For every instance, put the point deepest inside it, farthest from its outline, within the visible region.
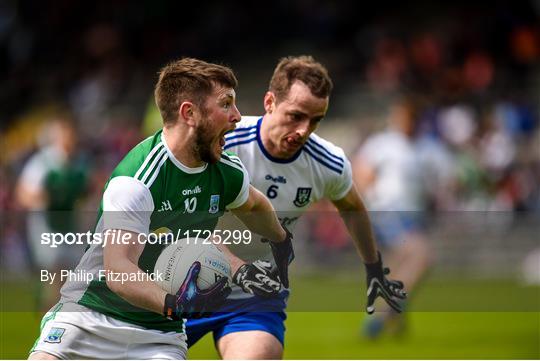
(303, 195)
(214, 203)
(55, 335)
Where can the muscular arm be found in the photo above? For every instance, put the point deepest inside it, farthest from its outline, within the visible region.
(123, 258)
(258, 214)
(356, 218)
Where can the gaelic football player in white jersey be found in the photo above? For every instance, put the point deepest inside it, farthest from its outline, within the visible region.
(293, 167)
(109, 317)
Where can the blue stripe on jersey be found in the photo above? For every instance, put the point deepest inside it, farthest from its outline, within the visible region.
(338, 164)
(234, 135)
(240, 130)
(243, 141)
(317, 145)
(323, 161)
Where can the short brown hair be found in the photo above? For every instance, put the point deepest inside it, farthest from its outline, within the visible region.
(189, 79)
(302, 68)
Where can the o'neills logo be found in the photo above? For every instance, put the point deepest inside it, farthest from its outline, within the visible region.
(188, 192)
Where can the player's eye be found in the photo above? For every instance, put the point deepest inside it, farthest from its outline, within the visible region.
(296, 117)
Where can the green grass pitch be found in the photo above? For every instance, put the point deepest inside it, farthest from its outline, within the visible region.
(335, 335)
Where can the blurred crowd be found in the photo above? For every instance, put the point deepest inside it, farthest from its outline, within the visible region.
(471, 72)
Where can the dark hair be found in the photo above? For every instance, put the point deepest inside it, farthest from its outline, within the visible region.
(302, 68)
(189, 79)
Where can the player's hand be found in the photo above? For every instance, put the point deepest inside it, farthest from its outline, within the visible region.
(192, 302)
(379, 285)
(258, 278)
(283, 255)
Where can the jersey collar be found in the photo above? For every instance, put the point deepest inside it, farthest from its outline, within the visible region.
(179, 164)
(268, 155)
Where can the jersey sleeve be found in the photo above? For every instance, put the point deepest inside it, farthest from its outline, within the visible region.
(127, 205)
(243, 193)
(341, 184)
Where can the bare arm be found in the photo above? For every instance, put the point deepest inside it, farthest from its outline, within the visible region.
(235, 261)
(29, 197)
(123, 258)
(356, 218)
(364, 174)
(258, 214)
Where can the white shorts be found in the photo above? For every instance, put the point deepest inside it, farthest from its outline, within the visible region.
(72, 331)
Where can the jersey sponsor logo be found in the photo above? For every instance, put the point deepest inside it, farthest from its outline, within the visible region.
(214, 203)
(278, 179)
(189, 192)
(303, 195)
(55, 335)
(165, 206)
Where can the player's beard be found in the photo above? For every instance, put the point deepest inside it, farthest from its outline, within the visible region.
(203, 144)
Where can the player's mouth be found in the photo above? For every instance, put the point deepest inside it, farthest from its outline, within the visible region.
(222, 139)
(292, 145)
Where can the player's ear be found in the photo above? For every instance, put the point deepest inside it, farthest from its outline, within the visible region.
(187, 112)
(269, 102)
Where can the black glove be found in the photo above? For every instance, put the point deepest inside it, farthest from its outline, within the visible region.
(379, 285)
(283, 255)
(192, 302)
(258, 278)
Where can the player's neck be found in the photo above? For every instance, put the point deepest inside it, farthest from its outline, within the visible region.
(181, 145)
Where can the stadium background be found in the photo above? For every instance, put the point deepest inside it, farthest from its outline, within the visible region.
(475, 65)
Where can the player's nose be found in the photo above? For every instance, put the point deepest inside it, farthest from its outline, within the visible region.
(302, 132)
(236, 116)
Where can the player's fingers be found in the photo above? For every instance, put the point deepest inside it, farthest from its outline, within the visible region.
(371, 297)
(265, 292)
(216, 288)
(190, 281)
(193, 271)
(400, 294)
(213, 301)
(396, 283)
(396, 288)
(392, 303)
(221, 296)
(370, 309)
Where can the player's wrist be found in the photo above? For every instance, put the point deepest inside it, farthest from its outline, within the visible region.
(170, 307)
(236, 264)
(284, 237)
(375, 266)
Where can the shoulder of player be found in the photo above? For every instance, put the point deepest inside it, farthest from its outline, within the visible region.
(245, 132)
(230, 161)
(326, 153)
(143, 161)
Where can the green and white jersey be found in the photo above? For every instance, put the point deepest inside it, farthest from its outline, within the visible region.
(151, 190)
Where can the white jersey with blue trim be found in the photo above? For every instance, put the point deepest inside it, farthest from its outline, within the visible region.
(319, 170)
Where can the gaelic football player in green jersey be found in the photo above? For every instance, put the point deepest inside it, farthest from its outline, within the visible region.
(177, 179)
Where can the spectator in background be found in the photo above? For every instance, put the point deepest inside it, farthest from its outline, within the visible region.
(51, 183)
(388, 172)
